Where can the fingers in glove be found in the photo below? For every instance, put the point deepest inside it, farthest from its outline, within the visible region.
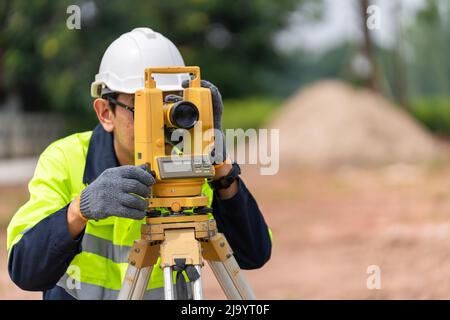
(137, 173)
(203, 84)
(217, 98)
(135, 186)
(210, 86)
(132, 201)
(144, 166)
(127, 212)
(207, 84)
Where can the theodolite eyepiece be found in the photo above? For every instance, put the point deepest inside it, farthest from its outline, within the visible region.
(183, 115)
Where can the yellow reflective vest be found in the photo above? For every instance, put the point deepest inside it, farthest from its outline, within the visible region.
(97, 272)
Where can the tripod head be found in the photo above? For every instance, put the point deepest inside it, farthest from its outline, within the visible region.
(179, 177)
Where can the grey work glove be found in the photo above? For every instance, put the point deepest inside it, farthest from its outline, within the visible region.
(219, 153)
(117, 192)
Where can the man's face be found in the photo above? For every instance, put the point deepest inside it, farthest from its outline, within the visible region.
(124, 125)
(121, 124)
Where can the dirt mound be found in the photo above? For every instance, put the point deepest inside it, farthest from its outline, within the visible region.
(332, 123)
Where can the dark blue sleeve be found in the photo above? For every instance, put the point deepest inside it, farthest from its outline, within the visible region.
(44, 253)
(242, 223)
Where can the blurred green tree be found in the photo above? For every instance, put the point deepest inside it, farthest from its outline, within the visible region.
(51, 67)
(428, 57)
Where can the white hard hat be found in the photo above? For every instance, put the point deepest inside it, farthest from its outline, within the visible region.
(123, 64)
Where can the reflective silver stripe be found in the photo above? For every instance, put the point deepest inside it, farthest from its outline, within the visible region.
(116, 253)
(25, 230)
(89, 291)
(105, 248)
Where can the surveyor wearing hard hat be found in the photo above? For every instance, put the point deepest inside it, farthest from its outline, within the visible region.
(72, 238)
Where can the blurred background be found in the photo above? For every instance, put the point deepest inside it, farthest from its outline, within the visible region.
(359, 89)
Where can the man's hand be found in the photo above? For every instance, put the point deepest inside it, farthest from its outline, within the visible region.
(219, 153)
(117, 192)
(219, 156)
(217, 103)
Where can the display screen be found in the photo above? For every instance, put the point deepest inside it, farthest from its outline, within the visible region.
(177, 166)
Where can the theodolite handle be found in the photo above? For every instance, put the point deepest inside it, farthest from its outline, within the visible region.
(193, 83)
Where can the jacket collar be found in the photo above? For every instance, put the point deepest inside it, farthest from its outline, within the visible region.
(100, 155)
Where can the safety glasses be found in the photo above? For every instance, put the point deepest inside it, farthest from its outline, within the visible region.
(120, 104)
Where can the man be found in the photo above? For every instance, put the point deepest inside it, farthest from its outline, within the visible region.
(72, 238)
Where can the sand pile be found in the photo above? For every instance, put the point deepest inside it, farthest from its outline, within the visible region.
(332, 123)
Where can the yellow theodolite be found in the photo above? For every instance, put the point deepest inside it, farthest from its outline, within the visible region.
(178, 228)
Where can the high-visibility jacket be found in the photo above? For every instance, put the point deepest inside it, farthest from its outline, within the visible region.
(102, 263)
(98, 270)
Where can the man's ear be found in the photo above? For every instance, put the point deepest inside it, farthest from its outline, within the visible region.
(104, 114)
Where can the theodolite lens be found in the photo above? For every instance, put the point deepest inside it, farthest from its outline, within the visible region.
(184, 114)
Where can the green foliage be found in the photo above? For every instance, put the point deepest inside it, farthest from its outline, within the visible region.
(52, 67)
(429, 63)
(253, 112)
(434, 113)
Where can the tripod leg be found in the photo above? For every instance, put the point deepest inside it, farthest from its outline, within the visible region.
(142, 257)
(197, 285)
(135, 283)
(142, 283)
(237, 278)
(219, 255)
(224, 280)
(168, 284)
